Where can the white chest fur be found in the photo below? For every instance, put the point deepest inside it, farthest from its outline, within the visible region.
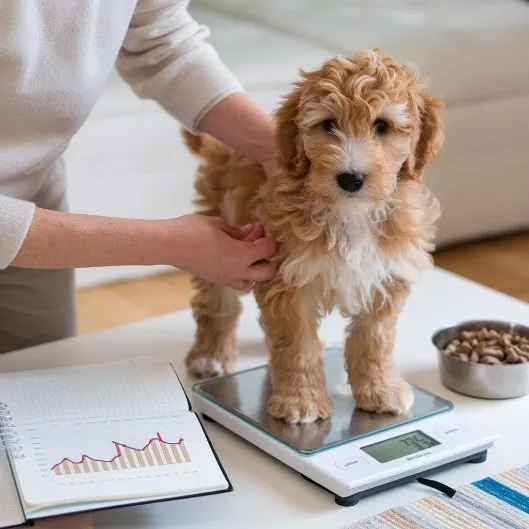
(357, 268)
(354, 268)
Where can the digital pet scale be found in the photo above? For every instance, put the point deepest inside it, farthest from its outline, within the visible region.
(352, 454)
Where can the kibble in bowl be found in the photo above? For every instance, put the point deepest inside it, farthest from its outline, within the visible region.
(486, 359)
(489, 346)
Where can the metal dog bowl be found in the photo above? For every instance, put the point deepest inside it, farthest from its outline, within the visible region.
(481, 380)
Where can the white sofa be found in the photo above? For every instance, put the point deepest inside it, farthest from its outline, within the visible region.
(476, 53)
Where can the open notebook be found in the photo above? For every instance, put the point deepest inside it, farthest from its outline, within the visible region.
(93, 437)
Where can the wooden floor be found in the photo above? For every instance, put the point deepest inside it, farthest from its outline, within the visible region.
(502, 264)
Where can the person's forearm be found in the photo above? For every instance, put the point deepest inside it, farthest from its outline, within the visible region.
(242, 125)
(64, 240)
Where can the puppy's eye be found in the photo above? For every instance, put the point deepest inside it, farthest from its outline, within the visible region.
(380, 126)
(329, 125)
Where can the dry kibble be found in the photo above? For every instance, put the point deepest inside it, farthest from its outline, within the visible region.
(465, 347)
(490, 360)
(506, 339)
(512, 358)
(451, 348)
(496, 352)
(489, 346)
(480, 348)
(483, 334)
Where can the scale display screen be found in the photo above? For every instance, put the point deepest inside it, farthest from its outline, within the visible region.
(401, 446)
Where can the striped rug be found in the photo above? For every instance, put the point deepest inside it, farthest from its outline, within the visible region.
(496, 502)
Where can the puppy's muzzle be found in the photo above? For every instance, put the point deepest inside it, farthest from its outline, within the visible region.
(350, 181)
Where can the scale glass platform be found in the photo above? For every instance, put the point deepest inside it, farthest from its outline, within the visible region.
(353, 453)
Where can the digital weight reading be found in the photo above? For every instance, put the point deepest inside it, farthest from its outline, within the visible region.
(401, 446)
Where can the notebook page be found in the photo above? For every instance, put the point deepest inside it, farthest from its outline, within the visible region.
(11, 512)
(106, 460)
(99, 391)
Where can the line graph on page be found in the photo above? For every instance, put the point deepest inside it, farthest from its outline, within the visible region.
(107, 450)
(116, 458)
(156, 452)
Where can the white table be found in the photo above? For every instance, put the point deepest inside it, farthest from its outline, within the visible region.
(267, 494)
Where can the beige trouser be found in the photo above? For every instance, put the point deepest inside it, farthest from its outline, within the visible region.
(38, 306)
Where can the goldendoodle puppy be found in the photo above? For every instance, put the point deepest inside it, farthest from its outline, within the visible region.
(354, 224)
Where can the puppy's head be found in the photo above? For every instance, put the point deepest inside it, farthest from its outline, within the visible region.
(351, 130)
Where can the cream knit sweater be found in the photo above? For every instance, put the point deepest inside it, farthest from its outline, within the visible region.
(55, 59)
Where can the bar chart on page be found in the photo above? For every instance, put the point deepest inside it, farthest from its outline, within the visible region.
(156, 452)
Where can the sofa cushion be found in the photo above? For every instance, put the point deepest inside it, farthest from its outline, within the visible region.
(470, 48)
(259, 56)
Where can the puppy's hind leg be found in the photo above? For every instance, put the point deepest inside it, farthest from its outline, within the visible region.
(216, 310)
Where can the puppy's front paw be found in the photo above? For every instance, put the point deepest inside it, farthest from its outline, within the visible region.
(307, 406)
(392, 395)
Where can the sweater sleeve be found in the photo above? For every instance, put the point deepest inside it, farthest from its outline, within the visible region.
(166, 57)
(15, 220)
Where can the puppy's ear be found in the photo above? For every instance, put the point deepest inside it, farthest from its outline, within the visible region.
(428, 139)
(289, 143)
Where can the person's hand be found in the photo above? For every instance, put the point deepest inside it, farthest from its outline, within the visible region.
(205, 246)
(270, 166)
(223, 254)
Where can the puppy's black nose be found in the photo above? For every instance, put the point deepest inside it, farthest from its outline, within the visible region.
(352, 181)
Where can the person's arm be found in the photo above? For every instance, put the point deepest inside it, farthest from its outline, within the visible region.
(204, 246)
(250, 130)
(63, 240)
(166, 57)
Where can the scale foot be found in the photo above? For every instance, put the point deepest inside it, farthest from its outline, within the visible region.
(347, 501)
(350, 501)
(480, 458)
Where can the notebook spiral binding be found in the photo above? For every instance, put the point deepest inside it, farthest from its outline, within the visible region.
(8, 434)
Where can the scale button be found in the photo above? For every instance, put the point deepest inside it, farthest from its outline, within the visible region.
(449, 431)
(351, 463)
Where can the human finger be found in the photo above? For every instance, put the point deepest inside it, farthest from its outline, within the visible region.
(270, 166)
(261, 249)
(236, 232)
(255, 233)
(241, 285)
(261, 271)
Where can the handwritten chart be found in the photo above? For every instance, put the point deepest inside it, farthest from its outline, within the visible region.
(157, 452)
(114, 458)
